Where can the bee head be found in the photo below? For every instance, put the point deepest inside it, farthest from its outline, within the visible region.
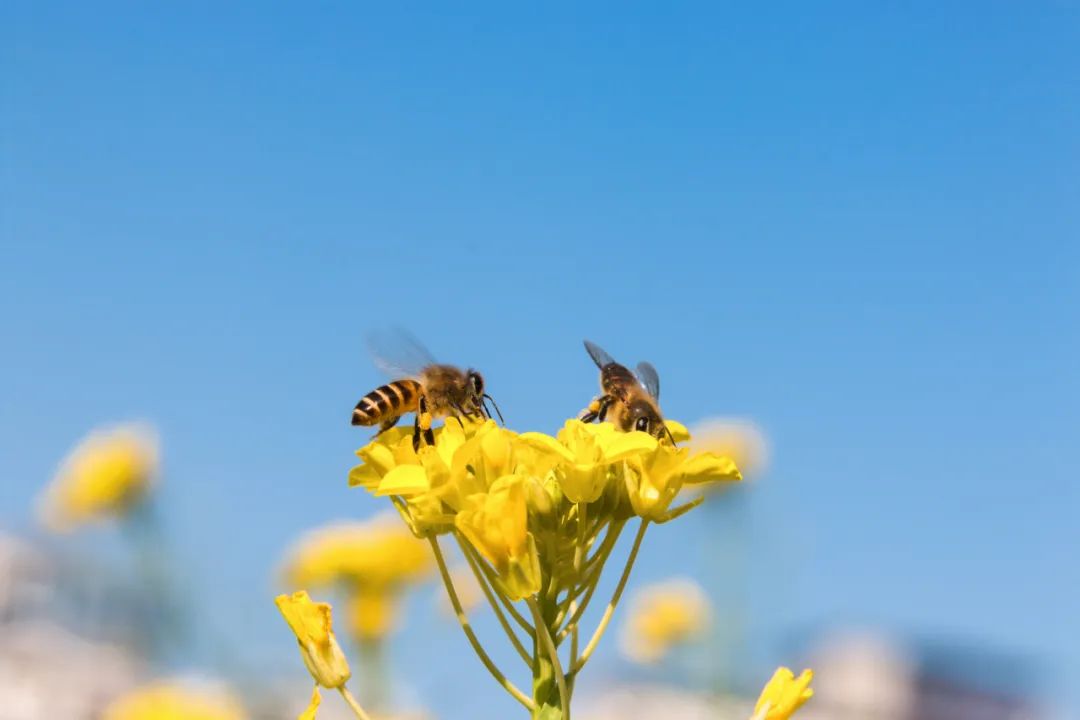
(644, 418)
(477, 396)
(476, 383)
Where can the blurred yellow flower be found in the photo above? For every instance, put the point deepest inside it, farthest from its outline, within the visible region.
(174, 701)
(662, 616)
(106, 475)
(373, 561)
(311, 623)
(783, 695)
(371, 613)
(741, 440)
(378, 552)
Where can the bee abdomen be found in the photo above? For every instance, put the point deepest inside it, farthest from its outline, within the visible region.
(386, 401)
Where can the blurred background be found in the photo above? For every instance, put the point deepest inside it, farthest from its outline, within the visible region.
(846, 234)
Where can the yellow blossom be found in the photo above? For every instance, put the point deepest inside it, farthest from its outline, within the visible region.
(106, 475)
(374, 562)
(783, 695)
(653, 480)
(312, 625)
(174, 701)
(372, 613)
(496, 523)
(376, 553)
(662, 616)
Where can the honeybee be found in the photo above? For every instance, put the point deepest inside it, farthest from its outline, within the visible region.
(425, 387)
(630, 400)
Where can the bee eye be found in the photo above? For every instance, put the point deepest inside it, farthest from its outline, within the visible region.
(477, 383)
(642, 424)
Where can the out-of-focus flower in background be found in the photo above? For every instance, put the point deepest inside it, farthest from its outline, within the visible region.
(783, 695)
(104, 477)
(741, 440)
(372, 562)
(176, 700)
(663, 616)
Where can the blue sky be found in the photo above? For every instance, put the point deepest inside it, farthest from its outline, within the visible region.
(855, 224)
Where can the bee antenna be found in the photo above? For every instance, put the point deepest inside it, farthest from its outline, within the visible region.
(495, 405)
(670, 436)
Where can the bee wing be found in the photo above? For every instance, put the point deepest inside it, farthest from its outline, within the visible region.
(648, 376)
(598, 355)
(398, 354)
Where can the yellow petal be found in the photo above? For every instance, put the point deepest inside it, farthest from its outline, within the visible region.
(404, 480)
(546, 444)
(378, 455)
(677, 430)
(316, 699)
(622, 445)
(708, 467)
(783, 695)
(365, 476)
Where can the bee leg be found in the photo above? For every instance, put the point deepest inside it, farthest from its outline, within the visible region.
(416, 433)
(460, 412)
(597, 409)
(422, 423)
(605, 405)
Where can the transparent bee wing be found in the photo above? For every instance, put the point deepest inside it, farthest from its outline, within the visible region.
(649, 378)
(598, 355)
(397, 354)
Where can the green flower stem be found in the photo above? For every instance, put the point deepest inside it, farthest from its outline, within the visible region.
(544, 639)
(492, 579)
(353, 704)
(482, 581)
(374, 686)
(610, 609)
(476, 646)
(589, 587)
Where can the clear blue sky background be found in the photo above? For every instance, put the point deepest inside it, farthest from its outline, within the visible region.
(856, 224)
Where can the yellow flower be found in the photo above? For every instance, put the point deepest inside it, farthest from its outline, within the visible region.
(653, 480)
(372, 613)
(106, 475)
(783, 695)
(373, 561)
(377, 553)
(174, 701)
(496, 524)
(662, 616)
(511, 494)
(582, 455)
(312, 625)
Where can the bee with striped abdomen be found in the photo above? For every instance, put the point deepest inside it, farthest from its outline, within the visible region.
(424, 387)
(630, 400)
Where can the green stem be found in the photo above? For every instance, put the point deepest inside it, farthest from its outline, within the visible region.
(353, 704)
(610, 609)
(482, 581)
(590, 587)
(553, 654)
(492, 579)
(467, 628)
